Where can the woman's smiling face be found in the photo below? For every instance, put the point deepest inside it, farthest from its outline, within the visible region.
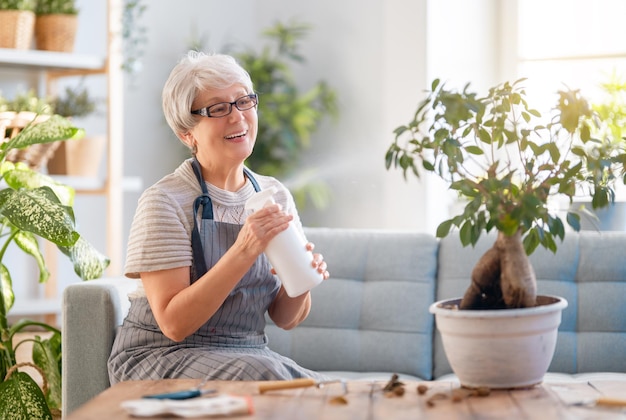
(229, 139)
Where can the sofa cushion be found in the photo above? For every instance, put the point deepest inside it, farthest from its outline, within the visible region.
(372, 314)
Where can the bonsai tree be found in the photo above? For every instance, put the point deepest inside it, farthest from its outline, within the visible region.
(500, 156)
(32, 206)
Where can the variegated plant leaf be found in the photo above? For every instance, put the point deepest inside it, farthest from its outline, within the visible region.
(8, 297)
(19, 175)
(47, 355)
(88, 262)
(30, 245)
(22, 399)
(53, 129)
(40, 212)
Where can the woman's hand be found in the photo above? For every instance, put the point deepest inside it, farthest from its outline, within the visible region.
(260, 228)
(318, 261)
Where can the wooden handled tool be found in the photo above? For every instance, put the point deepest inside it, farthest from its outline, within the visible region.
(278, 385)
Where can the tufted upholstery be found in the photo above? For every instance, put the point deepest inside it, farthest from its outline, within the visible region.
(370, 315)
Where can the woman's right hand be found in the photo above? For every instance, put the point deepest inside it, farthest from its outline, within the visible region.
(261, 227)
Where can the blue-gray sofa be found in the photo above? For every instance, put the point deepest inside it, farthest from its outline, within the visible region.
(371, 318)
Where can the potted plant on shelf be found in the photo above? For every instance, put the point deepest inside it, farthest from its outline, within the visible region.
(17, 23)
(33, 206)
(82, 157)
(497, 153)
(23, 109)
(55, 25)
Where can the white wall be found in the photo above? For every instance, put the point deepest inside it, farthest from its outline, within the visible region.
(379, 55)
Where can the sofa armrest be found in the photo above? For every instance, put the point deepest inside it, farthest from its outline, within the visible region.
(91, 312)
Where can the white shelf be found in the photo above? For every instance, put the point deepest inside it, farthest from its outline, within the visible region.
(32, 307)
(90, 183)
(49, 60)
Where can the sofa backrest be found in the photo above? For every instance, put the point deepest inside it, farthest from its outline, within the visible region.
(588, 269)
(371, 315)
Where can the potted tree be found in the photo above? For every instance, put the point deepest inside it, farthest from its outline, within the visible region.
(498, 154)
(55, 25)
(17, 23)
(32, 206)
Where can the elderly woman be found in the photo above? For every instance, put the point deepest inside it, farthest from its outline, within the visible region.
(205, 282)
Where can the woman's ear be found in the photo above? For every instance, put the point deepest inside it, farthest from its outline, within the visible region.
(188, 139)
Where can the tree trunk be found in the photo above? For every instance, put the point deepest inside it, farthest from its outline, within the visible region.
(502, 278)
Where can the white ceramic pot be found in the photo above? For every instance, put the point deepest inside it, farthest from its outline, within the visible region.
(500, 348)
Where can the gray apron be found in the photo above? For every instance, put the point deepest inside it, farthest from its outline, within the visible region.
(232, 344)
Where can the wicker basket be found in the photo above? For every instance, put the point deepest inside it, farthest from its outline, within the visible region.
(56, 32)
(16, 29)
(36, 155)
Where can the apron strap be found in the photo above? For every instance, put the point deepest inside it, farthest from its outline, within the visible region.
(205, 202)
(207, 213)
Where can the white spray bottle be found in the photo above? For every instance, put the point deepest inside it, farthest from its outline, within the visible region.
(287, 252)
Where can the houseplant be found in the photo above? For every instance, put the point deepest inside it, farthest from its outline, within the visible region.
(55, 25)
(77, 158)
(288, 116)
(498, 154)
(33, 206)
(16, 114)
(604, 156)
(17, 23)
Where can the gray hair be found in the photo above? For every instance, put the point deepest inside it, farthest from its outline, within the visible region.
(195, 73)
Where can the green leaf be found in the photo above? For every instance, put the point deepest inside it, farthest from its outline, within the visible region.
(40, 212)
(47, 355)
(22, 399)
(30, 245)
(19, 175)
(55, 128)
(474, 150)
(573, 220)
(444, 228)
(8, 297)
(88, 262)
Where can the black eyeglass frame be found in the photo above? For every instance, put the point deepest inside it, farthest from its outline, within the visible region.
(205, 112)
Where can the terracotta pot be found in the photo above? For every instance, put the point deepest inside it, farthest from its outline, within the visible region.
(16, 29)
(499, 348)
(78, 157)
(56, 32)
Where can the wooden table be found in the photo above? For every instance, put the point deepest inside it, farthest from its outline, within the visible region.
(367, 400)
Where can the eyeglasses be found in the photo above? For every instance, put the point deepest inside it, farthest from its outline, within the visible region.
(223, 109)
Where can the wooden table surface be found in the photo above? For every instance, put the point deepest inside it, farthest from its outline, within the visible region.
(367, 400)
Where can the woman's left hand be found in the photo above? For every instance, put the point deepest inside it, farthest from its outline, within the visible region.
(318, 262)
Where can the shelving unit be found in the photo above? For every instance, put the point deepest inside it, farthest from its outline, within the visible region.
(49, 68)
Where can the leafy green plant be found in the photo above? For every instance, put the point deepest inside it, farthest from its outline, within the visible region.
(134, 35)
(499, 154)
(28, 101)
(605, 151)
(76, 102)
(287, 116)
(32, 206)
(50, 7)
(29, 5)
